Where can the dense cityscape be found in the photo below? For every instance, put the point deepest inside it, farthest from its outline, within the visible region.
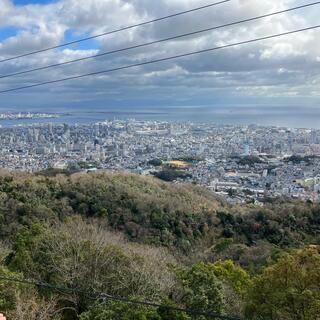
(243, 163)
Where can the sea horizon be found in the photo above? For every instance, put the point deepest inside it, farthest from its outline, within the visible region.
(279, 116)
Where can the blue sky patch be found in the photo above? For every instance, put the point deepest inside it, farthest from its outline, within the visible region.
(7, 32)
(25, 2)
(71, 35)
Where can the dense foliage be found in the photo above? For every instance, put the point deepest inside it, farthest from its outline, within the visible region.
(289, 289)
(143, 208)
(144, 239)
(248, 160)
(296, 159)
(171, 174)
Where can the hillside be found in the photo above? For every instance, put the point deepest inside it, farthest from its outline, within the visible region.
(144, 239)
(148, 210)
(143, 208)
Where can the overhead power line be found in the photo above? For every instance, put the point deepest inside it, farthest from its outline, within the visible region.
(160, 41)
(117, 30)
(161, 59)
(105, 296)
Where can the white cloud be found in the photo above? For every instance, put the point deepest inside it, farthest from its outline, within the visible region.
(284, 66)
(5, 11)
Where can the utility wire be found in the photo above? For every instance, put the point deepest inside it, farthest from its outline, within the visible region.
(161, 59)
(159, 41)
(105, 296)
(117, 30)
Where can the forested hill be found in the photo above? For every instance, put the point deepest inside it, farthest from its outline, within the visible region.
(150, 211)
(143, 208)
(144, 239)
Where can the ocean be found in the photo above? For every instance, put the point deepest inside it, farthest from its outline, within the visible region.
(282, 116)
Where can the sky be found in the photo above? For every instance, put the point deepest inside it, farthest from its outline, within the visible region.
(282, 71)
